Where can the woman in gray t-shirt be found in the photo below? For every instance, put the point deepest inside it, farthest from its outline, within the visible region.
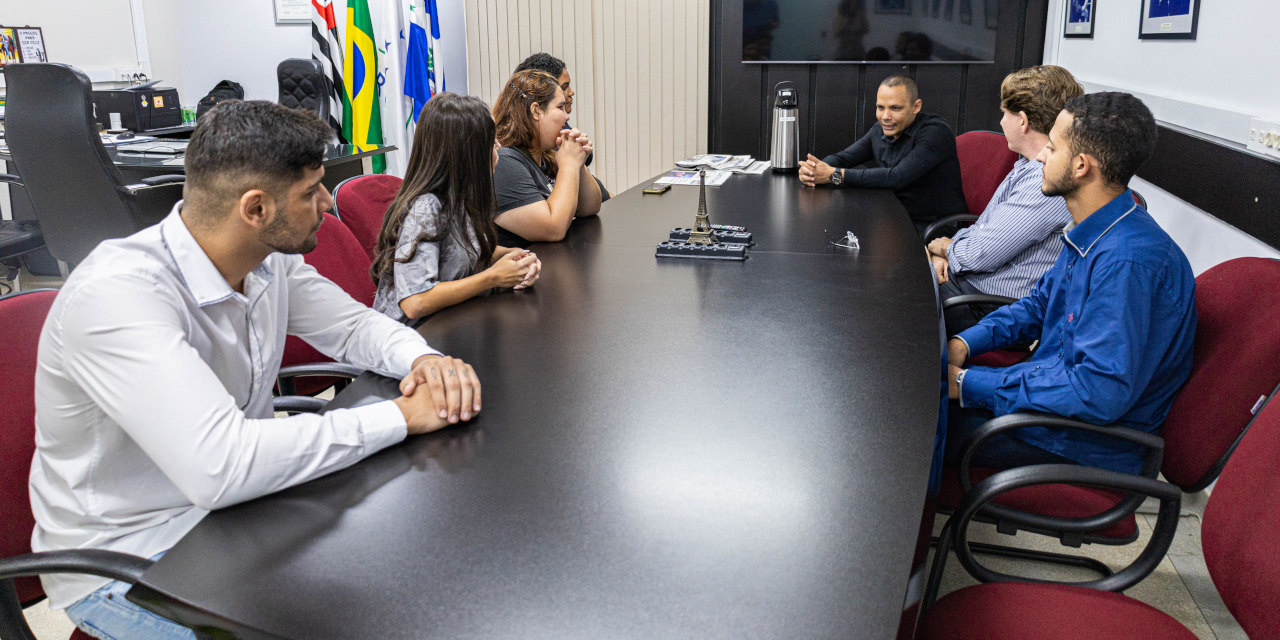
(438, 246)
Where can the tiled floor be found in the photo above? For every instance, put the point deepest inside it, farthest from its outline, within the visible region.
(1180, 587)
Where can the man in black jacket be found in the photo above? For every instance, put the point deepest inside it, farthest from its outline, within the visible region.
(916, 153)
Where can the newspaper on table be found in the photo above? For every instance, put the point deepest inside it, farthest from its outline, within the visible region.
(732, 164)
(690, 178)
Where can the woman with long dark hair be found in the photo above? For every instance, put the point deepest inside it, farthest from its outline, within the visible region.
(542, 179)
(438, 246)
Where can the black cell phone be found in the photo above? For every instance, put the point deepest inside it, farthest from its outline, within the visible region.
(656, 188)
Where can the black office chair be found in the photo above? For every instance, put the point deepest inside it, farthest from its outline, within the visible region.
(303, 85)
(79, 196)
(17, 238)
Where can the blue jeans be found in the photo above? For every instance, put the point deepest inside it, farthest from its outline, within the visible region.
(1003, 451)
(106, 614)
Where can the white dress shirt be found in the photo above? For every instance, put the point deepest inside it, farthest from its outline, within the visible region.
(154, 386)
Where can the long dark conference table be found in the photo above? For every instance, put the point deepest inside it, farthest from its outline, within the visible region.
(668, 449)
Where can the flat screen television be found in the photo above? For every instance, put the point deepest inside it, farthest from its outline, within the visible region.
(869, 30)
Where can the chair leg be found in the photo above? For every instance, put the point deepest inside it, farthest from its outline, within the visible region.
(943, 545)
(1049, 557)
(13, 625)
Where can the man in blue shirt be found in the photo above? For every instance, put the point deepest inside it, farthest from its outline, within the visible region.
(1115, 315)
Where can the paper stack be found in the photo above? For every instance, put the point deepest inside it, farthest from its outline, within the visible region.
(731, 164)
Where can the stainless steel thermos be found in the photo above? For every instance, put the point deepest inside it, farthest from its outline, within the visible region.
(785, 149)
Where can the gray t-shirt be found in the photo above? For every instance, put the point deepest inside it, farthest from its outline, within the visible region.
(518, 182)
(433, 263)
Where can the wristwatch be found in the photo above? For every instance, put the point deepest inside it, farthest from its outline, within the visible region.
(837, 178)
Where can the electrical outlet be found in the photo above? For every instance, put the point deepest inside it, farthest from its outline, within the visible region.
(1264, 138)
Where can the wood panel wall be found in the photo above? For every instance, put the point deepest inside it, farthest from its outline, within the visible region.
(640, 69)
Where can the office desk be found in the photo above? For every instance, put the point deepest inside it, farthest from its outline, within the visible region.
(341, 161)
(668, 449)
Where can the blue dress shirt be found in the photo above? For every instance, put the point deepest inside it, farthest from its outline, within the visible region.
(1116, 319)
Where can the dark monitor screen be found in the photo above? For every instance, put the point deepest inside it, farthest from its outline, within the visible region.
(869, 30)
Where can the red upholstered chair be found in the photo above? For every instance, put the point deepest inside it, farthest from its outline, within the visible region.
(1236, 369)
(998, 358)
(1137, 197)
(339, 257)
(361, 203)
(985, 160)
(1240, 550)
(22, 316)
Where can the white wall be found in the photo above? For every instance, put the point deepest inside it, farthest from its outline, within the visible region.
(91, 35)
(163, 46)
(238, 40)
(1212, 85)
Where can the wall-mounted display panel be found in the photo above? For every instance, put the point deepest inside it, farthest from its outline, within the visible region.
(807, 31)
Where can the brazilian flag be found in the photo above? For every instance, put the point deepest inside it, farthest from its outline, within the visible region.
(361, 117)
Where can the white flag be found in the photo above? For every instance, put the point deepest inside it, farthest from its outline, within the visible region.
(397, 114)
(326, 47)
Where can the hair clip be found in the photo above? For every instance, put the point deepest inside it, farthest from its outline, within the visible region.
(522, 94)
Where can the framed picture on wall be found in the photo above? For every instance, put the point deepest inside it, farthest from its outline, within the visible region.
(10, 51)
(292, 11)
(31, 43)
(1079, 22)
(1169, 19)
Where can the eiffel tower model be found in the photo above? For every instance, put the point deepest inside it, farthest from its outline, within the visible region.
(701, 233)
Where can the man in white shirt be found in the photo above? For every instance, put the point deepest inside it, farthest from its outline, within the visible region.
(158, 358)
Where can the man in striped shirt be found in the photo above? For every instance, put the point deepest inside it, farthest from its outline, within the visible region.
(1018, 236)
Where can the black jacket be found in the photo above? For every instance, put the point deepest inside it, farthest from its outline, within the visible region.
(920, 166)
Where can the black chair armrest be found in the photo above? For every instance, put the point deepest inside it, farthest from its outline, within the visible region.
(94, 562)
(931, 231)
(977, 298)
(331, 369)
(1170, 498)
(325, 369)
(11, 179)
(1150, 468)
(153, 182)
(298, 404)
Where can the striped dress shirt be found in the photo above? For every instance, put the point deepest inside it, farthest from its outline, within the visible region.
(1017, 238)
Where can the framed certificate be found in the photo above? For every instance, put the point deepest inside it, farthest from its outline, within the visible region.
(31, 42)
(292, 11)
(1169, 19)
(1079, 22)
